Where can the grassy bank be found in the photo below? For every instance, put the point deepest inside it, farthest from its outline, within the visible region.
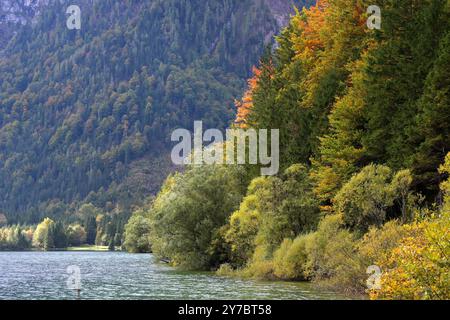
(88, 248)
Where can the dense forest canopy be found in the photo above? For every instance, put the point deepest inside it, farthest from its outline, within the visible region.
(86, 115)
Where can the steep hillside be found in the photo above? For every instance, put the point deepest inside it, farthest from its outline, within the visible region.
(85, 115)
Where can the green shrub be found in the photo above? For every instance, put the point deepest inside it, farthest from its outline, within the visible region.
(364, 199)
(260, 266)
(291, 259)
(242, 231)
(137, 232)
(225, 270)
(76, 235)
(187, 217)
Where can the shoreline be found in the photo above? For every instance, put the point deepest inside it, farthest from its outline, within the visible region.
(71, 249)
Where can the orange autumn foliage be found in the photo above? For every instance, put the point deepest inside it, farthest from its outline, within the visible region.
(311, 22)
(245, 105)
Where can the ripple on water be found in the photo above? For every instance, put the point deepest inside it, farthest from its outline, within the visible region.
(117, 275)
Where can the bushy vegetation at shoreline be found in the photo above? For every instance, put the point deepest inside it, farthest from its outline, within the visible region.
(15, 238)
(275, 240)
(89, 227)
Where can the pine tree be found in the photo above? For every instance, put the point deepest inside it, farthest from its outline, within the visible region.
(91, 230)
(396, 73)
(58, 235)
(432, 134)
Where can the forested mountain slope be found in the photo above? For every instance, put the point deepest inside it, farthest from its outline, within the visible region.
(85, 115)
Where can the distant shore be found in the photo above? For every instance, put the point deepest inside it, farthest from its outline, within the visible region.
(79, 248)
(88, 248)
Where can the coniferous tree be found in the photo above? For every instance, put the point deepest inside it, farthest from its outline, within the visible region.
(396, 73)
(57, 236)
(91, 230)
(432, 130)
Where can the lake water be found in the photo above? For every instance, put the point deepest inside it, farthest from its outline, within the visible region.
(118, 275)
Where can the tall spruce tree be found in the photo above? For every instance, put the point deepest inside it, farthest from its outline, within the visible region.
(91, 230)
(432, 132)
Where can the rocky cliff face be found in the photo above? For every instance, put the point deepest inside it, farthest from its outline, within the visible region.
(281, 9)
(19, 11)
